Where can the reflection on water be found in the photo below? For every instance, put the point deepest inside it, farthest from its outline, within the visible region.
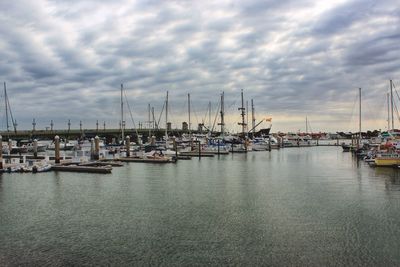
(297, 206)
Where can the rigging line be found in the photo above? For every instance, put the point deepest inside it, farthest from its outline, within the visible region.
(1, 110)
(352, 111)
(380, 105)
(216, 116)
(12, 118)
(195, 114)
(161, 113)
(130, 112)
(394, 103)
(203, 119)
(397, 111)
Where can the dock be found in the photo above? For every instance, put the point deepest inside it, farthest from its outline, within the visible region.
(146, 160)
(80, 168)
(111, 163)
(197, 154)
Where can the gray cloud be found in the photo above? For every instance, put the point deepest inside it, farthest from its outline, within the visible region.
(294, 58)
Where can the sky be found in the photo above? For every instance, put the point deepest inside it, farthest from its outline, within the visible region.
(66, 60)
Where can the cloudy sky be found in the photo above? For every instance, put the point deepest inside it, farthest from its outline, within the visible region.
(66, 60)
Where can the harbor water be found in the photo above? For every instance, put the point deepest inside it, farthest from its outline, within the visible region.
(309, 206)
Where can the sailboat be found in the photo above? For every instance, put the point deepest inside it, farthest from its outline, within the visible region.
(347, 148)
(391, 158)
(241, 144)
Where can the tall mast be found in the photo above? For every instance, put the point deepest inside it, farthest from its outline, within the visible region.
(253, 118)
(166, 119)
(153, 124)
(391, 100)
(247, 118)
(122, 114)
(388, 111)
(190, 130)
(222, 113)
(149, 119)
(306, 125)
(5, 100)
(243, 113)
(359, 90)
(209, 116)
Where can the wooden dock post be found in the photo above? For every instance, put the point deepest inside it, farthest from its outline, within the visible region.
(96, 148)
(218, 147)
(175, 148)
(128, 145)
(92, 148)
(199, 149)
(269, 143)
(57, 149)
(35, 145)
(9, 147)
(1, 153)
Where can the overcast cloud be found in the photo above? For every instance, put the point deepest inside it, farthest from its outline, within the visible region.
(66, 60)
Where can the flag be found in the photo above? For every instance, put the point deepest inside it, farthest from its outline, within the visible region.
(268, 119)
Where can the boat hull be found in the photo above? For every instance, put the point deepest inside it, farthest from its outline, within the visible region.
(382, 162)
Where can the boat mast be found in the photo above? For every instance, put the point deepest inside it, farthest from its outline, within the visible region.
(166, 120)
(391, 100)
(359, 90)
(247, 118)
(306, 125)
(122, 114)
(222, 113)
(5, 100)
(209, 117)
(243, 113)
(149, 121)
(253, 119)
(190, 130)
(388, 111)
(8, 109)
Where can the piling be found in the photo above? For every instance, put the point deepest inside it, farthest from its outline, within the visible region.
(199, 149)
(128, 145)
(218, 147)
(1, 152)
(92, 149)
(96, 148)
(9, 146)
(175, 148)
(35, 150)
(269, 143)
(57, 149)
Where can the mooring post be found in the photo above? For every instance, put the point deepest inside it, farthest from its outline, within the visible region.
(57, 149)
(1, 152)
(269, 143)
(9, 147)
(96, 148)
(218, 147)
(92, 148)
(128, 145)
(175, 148)
(35, 145)
(199, 149)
